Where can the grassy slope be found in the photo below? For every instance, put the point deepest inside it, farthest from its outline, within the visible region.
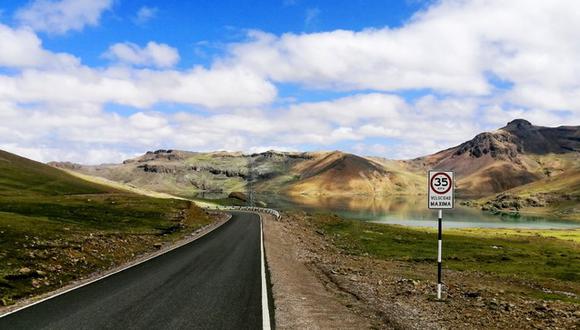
(559, 193)
(548, 258)
(55, 227)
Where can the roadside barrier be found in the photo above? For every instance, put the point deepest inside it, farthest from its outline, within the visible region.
(251, 209)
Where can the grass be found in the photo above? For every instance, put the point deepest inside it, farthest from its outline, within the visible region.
(561, 189)
(547, 257)
(56, 228)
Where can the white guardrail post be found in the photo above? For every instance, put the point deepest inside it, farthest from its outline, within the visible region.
(252, 209)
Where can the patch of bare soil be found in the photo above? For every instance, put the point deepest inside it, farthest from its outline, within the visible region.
(302, 300)
(316, 285)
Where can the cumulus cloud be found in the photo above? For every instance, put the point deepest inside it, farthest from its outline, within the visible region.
(450, 55)
(215, 88)
(43, 76)
(154, 54)
(449, 47)
(61, 16)
(21, 48)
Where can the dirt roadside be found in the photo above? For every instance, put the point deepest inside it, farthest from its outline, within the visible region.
(317, 286)
(302, 300)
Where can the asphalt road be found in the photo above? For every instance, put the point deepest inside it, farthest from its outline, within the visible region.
(211, 283)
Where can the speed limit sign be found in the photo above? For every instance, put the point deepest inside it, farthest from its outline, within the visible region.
(440, 190)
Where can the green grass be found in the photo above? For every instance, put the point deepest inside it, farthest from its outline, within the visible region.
(22, 177)
(61, 227)
(533, 257)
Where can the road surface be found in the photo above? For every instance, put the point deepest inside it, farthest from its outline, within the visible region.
(211, 283)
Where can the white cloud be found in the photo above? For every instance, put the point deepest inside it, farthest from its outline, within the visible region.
(449, 47)
(154, 54)
(371, 59)
(213, 88)
(22, 48)
(498, 116)
(145, 14)
(61, 16)
(411, 129)
(50, 101)
(258, 149)
(374, 149)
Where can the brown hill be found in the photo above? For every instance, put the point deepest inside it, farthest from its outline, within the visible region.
(338, 173)
(514, 155)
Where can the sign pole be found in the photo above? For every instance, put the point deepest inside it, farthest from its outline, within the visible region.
(441, 187)
(439, 252)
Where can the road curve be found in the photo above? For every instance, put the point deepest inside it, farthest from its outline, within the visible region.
(211, 283)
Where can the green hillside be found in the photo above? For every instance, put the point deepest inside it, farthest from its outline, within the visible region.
(22, 177)
(55, 227)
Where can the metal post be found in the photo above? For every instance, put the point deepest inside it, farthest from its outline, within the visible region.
(439, 241)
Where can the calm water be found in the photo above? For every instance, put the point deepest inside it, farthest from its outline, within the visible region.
(412, 211)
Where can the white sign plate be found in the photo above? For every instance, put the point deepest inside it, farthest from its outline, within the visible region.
(441, 184)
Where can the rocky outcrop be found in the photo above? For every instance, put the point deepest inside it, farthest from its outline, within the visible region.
(497, 145)
(152, 168)
(161, 155)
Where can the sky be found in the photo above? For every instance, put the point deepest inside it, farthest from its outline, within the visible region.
(100, 81)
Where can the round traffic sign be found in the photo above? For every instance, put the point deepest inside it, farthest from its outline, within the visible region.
(440, 183)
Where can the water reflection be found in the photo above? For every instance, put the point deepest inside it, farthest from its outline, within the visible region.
(411, 211)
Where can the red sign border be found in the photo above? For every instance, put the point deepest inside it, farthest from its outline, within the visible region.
(450, 183)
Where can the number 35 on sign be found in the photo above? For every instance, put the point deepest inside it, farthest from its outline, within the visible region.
(441, 184)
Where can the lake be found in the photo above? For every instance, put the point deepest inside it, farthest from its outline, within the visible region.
(411, 211)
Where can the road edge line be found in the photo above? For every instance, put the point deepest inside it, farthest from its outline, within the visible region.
(265, 304)
(154, 255)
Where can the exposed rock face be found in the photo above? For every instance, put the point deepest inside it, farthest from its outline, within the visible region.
(157, 169)
(543, 140)
(161, 155)
(497, 145)
(492, 162)
(521, 137)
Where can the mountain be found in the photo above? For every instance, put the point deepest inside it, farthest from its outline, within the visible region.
(307, 173)
(491, 162)
(339, 173)
(514, 155)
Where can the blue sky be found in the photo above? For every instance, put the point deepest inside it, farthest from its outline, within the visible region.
(200, 29)
(103, 80)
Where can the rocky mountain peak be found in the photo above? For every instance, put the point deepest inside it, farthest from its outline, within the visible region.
(499, 146)
(519, 124)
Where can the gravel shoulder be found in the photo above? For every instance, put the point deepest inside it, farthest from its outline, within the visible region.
(319, 286)
(302, 300)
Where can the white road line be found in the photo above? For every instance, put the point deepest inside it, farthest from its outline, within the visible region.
(265, 305)
(113, 273)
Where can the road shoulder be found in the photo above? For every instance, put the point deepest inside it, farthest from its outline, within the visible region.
(302, 300)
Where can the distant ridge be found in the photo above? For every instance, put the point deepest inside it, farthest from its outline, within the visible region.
(506, 158)
(514, 155)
